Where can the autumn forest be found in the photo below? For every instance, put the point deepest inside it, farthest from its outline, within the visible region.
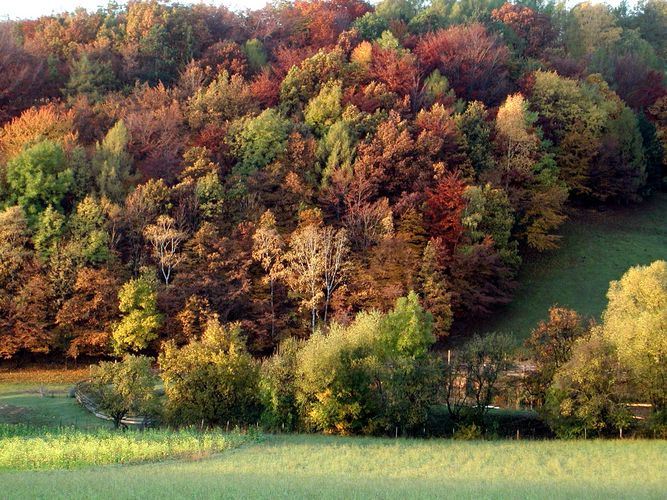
(283, 168)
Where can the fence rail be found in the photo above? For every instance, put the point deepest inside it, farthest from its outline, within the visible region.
(90, 405)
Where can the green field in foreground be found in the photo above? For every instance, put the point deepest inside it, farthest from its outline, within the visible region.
(334, 467)
(597, 247)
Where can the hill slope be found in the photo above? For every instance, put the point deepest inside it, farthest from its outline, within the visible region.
(597, 247)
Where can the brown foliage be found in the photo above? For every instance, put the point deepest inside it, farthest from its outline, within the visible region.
(24, 319)
(35, 124)
(326, 20)
(390, 160)
(225, 56)
(212, 137)
(440, 138)
(392, 269)
(265, 87)
(658, 113)
(480, 280)
(444, 207)
(474, 61)
(533, 28)
(396, 69)
(636, 84)
(372, 97)
(156, 125)
(216, 268)
(87, 316)
(551, 344)
(21, 75)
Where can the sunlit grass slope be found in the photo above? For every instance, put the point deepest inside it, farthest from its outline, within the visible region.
(597, 247)
(329, 467)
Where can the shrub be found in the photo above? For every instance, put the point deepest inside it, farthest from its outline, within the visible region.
(278, 388)
(213, 380)
(334, 377)
(656, 425)
(585, 396)
(374, 376)
(469, 432)
(125, 388)
(472, 377)
(551, 347)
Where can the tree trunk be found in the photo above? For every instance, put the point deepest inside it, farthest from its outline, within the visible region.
(313, 320)
(273, 313)
(326, 306)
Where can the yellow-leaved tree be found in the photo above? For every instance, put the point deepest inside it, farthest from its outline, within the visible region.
(141, 318)
(529, 174)
(635, 322)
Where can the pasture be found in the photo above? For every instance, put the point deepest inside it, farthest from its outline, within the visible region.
(596, 248)
(40, 397)
(88, 460)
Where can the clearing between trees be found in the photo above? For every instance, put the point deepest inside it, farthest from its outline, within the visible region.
(597, 247)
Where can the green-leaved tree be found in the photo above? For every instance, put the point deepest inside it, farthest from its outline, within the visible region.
(214, 380)
(112, 163)
(141, 319)
(125, 388)
(39, 177)
(635, 323)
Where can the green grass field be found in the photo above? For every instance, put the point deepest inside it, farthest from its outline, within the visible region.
(33, 448)
(335, 467)
(597, 247)
(40, 397)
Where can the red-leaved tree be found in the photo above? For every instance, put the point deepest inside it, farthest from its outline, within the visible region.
(444, 206)
(474, 61)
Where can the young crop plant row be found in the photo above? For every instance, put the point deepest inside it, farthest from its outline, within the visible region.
(32, 448)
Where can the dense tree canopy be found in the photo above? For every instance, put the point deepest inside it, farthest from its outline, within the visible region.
(286, 168)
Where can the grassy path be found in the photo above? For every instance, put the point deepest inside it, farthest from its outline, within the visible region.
(330, 467)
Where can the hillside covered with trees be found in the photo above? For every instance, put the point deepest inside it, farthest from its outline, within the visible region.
(285, 210)
(163, 164)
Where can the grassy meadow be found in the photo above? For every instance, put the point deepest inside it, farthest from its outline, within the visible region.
(597, 247)
(31, 448)
(91, 461)
(40, 398)
(336, 467)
